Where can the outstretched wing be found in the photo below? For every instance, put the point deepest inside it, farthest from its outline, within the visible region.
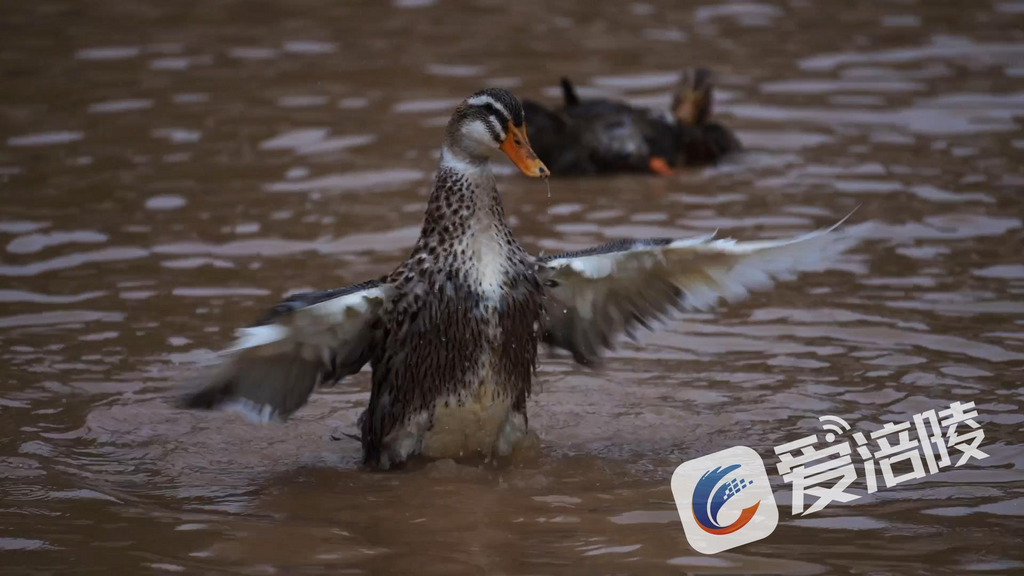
(309, 339)
(596, 294)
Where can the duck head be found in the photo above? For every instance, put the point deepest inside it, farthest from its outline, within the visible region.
(691, 103)
(489, 121)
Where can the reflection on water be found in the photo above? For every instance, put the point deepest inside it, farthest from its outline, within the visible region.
(167, 174)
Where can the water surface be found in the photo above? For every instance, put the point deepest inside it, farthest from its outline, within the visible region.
(169, 170)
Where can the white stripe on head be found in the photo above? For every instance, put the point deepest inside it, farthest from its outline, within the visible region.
(497, 127)
(485, 99)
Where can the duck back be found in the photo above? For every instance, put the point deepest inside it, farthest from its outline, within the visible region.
(557, 141)
(705, 144)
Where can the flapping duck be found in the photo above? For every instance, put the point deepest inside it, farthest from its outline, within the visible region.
(452, 334)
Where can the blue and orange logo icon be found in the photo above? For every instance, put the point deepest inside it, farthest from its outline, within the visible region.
(724, 500)
(705, 505)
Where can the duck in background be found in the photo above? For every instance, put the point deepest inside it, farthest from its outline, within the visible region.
(700, 141)
(558, 141)
(595, 136)
(588, 137)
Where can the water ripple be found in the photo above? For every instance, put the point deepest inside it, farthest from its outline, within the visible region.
(37, 242)
(73, 261)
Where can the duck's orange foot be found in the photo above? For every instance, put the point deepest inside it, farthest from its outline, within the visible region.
(659, 166)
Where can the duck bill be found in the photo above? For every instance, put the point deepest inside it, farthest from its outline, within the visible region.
(517, 147)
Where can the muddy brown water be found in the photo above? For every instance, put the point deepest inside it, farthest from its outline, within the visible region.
(168, 170)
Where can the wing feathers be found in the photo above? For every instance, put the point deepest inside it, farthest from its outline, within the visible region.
(595, 294)
(306, 340)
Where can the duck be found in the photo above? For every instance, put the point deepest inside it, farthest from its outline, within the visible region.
(586, 138)
(558, 142)
(700, 140)
(452, 334)
(617, 137)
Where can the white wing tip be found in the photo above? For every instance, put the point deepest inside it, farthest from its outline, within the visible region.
(256, 336)
(844, 219)
(258, 413)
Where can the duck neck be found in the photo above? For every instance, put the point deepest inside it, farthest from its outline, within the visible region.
(465, 199)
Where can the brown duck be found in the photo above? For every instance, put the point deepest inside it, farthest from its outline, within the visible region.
(452, 334)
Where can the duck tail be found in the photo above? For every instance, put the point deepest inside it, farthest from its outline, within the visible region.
(569, 92)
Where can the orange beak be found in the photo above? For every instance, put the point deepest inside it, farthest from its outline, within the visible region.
(517, 147)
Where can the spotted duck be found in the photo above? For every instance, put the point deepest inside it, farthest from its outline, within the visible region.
(452, 334)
